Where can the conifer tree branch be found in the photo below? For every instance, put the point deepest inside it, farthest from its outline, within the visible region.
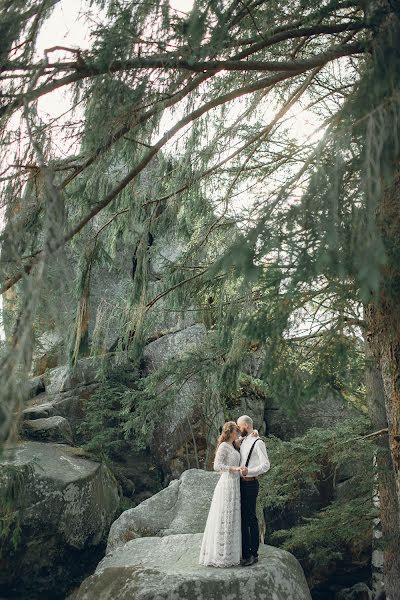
(366, 437)
(193, 84)
(171, 60)
(139, 119)
(258, 137)
(166, 63)
(194, 115)
(46, 4)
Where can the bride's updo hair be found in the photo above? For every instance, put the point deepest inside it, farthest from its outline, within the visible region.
(227, 430)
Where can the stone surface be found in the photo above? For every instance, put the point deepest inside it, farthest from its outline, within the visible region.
(167, 569)
(166, 251)
(68, 404)
(182, 507)
(327, 411)
(184, 408)
(62, 379)
(87, 371)
(67, 389)
(163, 316)
(55, 429)
(359, 591)
(65, 512)
(253, 407)
(49, 348)
(168, 346)
(39, 411)
(36, 386)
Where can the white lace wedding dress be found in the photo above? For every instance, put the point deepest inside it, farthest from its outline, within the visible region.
(222, 542)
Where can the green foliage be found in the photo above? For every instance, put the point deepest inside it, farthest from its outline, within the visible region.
(146, 407)
(324, 357)
(101, 427)
(341, 527)
(248, 387)
(128, 406)
(13, 480)
(117, 97)
(339, 532)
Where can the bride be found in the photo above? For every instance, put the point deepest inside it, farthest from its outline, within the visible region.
(222, 539)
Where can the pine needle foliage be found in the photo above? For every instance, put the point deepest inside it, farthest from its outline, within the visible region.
(12, 483)
(324, 537)
(124, 100)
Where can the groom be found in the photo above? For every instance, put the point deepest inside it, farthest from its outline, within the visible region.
(253, 462)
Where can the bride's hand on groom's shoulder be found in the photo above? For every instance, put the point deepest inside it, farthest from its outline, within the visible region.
(255, 433)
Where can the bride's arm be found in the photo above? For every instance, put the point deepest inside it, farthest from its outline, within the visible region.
(221, 460)
(237, 443)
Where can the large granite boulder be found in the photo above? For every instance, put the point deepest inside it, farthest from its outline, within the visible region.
(184, 411)
(153, 553)
(182, 507)
(65, 510)
(86, 372)
(167, 569)
(157, 353)
(50, 347)
(49, 429)
(38, 411)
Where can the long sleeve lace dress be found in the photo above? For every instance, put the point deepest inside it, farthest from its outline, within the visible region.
(222, 542)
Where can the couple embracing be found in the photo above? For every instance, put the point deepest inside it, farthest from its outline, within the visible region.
(231, 535)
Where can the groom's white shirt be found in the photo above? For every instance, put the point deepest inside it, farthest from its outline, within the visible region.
(259, 461)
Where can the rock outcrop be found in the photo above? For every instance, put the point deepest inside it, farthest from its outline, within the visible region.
(57, 410)
(182, 507)
(173, 432)
(167, 569)
(50, 429)
(153, 551)
(64, 511)
(359, 591)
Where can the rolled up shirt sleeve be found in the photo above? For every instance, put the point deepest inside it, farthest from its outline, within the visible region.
(264, 464)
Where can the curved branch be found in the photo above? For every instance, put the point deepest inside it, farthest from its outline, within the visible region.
(165, 63)
(194, 115)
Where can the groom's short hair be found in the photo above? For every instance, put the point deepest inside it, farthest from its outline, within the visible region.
(246, 419)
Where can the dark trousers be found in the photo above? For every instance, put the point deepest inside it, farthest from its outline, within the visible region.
(250, 530)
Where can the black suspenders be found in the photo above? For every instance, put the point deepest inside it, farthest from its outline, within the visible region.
(251, 452)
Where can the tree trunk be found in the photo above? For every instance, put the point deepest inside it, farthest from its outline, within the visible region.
(383, 312)
(383, 320)
(388, 502)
